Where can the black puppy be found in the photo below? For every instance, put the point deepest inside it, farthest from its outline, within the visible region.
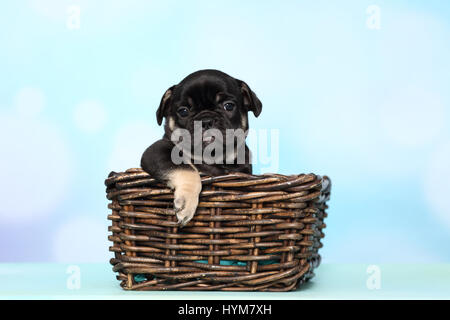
(205, 101)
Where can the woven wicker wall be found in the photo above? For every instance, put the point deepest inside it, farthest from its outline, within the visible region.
(249, 232)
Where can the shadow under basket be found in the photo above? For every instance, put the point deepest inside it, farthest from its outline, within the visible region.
(249, 233)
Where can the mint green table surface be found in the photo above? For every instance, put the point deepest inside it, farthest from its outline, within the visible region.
(332, 281)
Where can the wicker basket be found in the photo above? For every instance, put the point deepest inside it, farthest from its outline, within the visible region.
(250, 233)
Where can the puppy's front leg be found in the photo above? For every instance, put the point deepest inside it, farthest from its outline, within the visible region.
(183, 178)
(187, 186)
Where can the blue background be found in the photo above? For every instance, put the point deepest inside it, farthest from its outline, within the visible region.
(368, 107)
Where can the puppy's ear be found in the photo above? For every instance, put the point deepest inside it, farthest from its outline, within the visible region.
(164, 104)
(251, 101)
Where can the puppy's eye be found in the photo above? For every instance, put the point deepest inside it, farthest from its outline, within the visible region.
(228, 106)
(183, 111)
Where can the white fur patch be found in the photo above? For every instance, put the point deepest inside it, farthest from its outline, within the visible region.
(171, 123)
(187, 185)
(244, 122)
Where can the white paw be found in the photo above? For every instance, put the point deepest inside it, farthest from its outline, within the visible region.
(187, 185)
(185, 204)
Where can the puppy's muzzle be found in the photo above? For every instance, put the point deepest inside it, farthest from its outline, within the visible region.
(208, 123)
(209, 119)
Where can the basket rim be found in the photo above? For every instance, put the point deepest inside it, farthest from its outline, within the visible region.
(139, 173)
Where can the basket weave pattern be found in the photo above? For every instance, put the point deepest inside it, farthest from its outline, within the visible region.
(250, 233)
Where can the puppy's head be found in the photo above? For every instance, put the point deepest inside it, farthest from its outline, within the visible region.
(210, 97)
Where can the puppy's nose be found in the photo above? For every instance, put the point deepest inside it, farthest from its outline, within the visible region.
(207, 123)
